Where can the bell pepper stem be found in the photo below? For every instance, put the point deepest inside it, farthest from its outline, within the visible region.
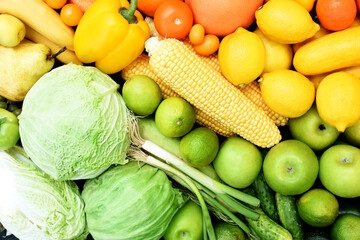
(128, 14)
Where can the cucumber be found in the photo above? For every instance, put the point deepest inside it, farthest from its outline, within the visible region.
(268, 229)
(289, 216)
(266, 196)
(253, 235)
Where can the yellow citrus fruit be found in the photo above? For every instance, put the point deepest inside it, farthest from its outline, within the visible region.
(285, 21)
(307, 4)
(277, 55)
(338, 100)
(287, 92)
(241, 56)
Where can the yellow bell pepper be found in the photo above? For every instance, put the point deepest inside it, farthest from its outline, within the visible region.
(112, 34)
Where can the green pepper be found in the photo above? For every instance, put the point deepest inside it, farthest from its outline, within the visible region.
(9, 129)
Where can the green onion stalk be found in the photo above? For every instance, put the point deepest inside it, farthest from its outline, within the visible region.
(207, 224)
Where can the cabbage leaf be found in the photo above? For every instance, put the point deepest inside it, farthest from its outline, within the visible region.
(134, 201)
(34, 206)
(74, 123)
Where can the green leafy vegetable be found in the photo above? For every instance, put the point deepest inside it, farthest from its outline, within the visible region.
(132, 201)
(74, 123)
(33, 205)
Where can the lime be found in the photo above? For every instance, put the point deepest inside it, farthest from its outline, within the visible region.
(318, 207)
(199, 147)
(346, 227)
(142, 95)
(227, 231)
(175, 117)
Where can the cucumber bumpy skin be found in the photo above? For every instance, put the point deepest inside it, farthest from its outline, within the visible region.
(268, 229)
(289, 216)
(266, 196)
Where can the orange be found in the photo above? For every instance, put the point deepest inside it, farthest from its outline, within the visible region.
(336, 15)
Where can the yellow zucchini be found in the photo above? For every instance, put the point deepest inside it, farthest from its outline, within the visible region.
(328, 53)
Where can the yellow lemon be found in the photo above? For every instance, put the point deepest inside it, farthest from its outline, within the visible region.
(338, 100)
(285, 21)
(307, 4)
(241, 56)
(277, 55)
(287, 92)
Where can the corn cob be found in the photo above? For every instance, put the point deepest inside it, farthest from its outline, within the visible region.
(141, 66)
(208, 90)
(253, 92)
(212, 60)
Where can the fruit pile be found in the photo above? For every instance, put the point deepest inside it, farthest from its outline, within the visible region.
(251, 108)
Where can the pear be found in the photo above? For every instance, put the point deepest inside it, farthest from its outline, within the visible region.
(21, 67)
(12, 30)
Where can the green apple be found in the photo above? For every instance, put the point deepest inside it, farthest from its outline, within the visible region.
(186, 224)
(352, 134)
(340, 170)
(238, 162)
(290, 167)
(312, 130)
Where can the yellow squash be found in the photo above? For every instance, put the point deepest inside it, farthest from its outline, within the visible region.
(111, 34)
(328, 53)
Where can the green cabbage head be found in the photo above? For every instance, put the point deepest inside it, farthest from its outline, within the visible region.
(132, 201)
(34, 206)
(74, 123)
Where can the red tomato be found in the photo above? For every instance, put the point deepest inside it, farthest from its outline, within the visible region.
(173, 19)
(149, 7)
